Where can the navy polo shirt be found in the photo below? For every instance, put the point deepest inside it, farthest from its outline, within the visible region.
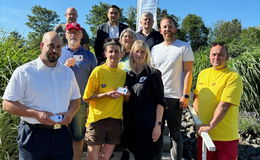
(82, 69)
(152, 39)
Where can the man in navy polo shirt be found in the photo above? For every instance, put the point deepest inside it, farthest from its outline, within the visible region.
(82, 62)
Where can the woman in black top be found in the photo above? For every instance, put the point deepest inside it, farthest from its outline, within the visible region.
(144, 110)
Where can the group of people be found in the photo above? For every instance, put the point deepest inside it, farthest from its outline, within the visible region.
(122, 94)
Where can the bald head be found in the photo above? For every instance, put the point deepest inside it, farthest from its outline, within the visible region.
(71, 15)
(48, 36)
(50, 48)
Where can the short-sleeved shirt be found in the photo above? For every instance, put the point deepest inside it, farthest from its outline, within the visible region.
(42, 88)
(82, 68)
(61, 29)
(214, 86)
(104, 79)
(169, 60)
(152, 39)
(146, 93)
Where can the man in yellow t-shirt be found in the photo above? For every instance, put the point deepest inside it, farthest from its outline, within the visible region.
(217, 96)
(104, 124)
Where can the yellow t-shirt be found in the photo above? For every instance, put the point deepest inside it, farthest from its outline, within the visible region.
(214, 86)
(104, 79)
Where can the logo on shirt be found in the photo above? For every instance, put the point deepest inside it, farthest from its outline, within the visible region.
(103, 85)
(142, 79)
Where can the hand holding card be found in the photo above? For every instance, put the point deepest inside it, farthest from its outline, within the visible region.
(122, 90)
(56, 118)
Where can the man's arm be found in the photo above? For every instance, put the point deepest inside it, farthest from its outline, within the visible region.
(19, 109)
(219, 114)
(73, 108)
(187, 66)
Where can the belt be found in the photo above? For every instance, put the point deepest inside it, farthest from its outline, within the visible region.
(43, 126)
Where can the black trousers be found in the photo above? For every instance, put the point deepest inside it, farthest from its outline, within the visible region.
(44, 144)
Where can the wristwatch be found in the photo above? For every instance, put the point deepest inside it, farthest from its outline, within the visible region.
(186, 96)
(158, 123)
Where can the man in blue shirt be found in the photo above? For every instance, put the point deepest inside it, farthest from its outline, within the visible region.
(82, 62)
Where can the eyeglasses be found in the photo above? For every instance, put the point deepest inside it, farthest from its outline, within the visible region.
(73, 32)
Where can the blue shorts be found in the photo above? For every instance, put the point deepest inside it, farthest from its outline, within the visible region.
(77, 125)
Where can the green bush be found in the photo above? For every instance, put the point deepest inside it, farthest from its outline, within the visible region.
(247, 65)
(14, 52)
(8, 135)
(249, 121)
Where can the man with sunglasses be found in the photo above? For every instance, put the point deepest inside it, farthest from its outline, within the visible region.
(82, 62)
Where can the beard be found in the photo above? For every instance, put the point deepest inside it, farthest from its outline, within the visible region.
(53, 57)
(74, 42)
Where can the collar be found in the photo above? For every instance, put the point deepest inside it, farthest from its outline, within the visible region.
(67, 48)
(41, 65)
(117, 25)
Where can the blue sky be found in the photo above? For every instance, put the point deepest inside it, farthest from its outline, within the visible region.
(13, 13)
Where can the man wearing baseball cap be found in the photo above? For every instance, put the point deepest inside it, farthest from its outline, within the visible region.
(82, 62)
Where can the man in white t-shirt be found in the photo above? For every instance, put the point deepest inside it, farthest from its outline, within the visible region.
(174, 58)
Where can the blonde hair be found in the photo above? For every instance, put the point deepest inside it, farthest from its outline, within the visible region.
(139, 44)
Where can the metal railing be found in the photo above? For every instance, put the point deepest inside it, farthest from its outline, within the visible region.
(207, 143)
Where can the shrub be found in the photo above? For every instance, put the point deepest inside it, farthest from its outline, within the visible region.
(8, 134)
(249, 121)
(14, 52)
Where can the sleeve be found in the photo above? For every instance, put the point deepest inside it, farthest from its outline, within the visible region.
(196, 90)
(188, 53)
(92, 85)
(15, 89)
(159, 90)
(233, 90)
(93, 60)
(152, 56)
(75, 88)
(98, 46)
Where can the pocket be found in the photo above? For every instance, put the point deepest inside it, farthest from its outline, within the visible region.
(25, 137)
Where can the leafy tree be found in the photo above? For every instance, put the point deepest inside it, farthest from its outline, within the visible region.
(248, 41)
(195, 31)
(16, 36)
(131, 18)
(42, 20)
(227, 31)
(98, 15)
(162, 13)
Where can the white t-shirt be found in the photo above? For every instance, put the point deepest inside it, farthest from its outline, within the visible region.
(113, 31)
(42, 88)
(169, 60)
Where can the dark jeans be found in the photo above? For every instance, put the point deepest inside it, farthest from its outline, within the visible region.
(173, 115)
(44, 144)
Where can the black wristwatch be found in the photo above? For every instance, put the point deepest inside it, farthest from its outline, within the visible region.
(186, 96)
(158, 123)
